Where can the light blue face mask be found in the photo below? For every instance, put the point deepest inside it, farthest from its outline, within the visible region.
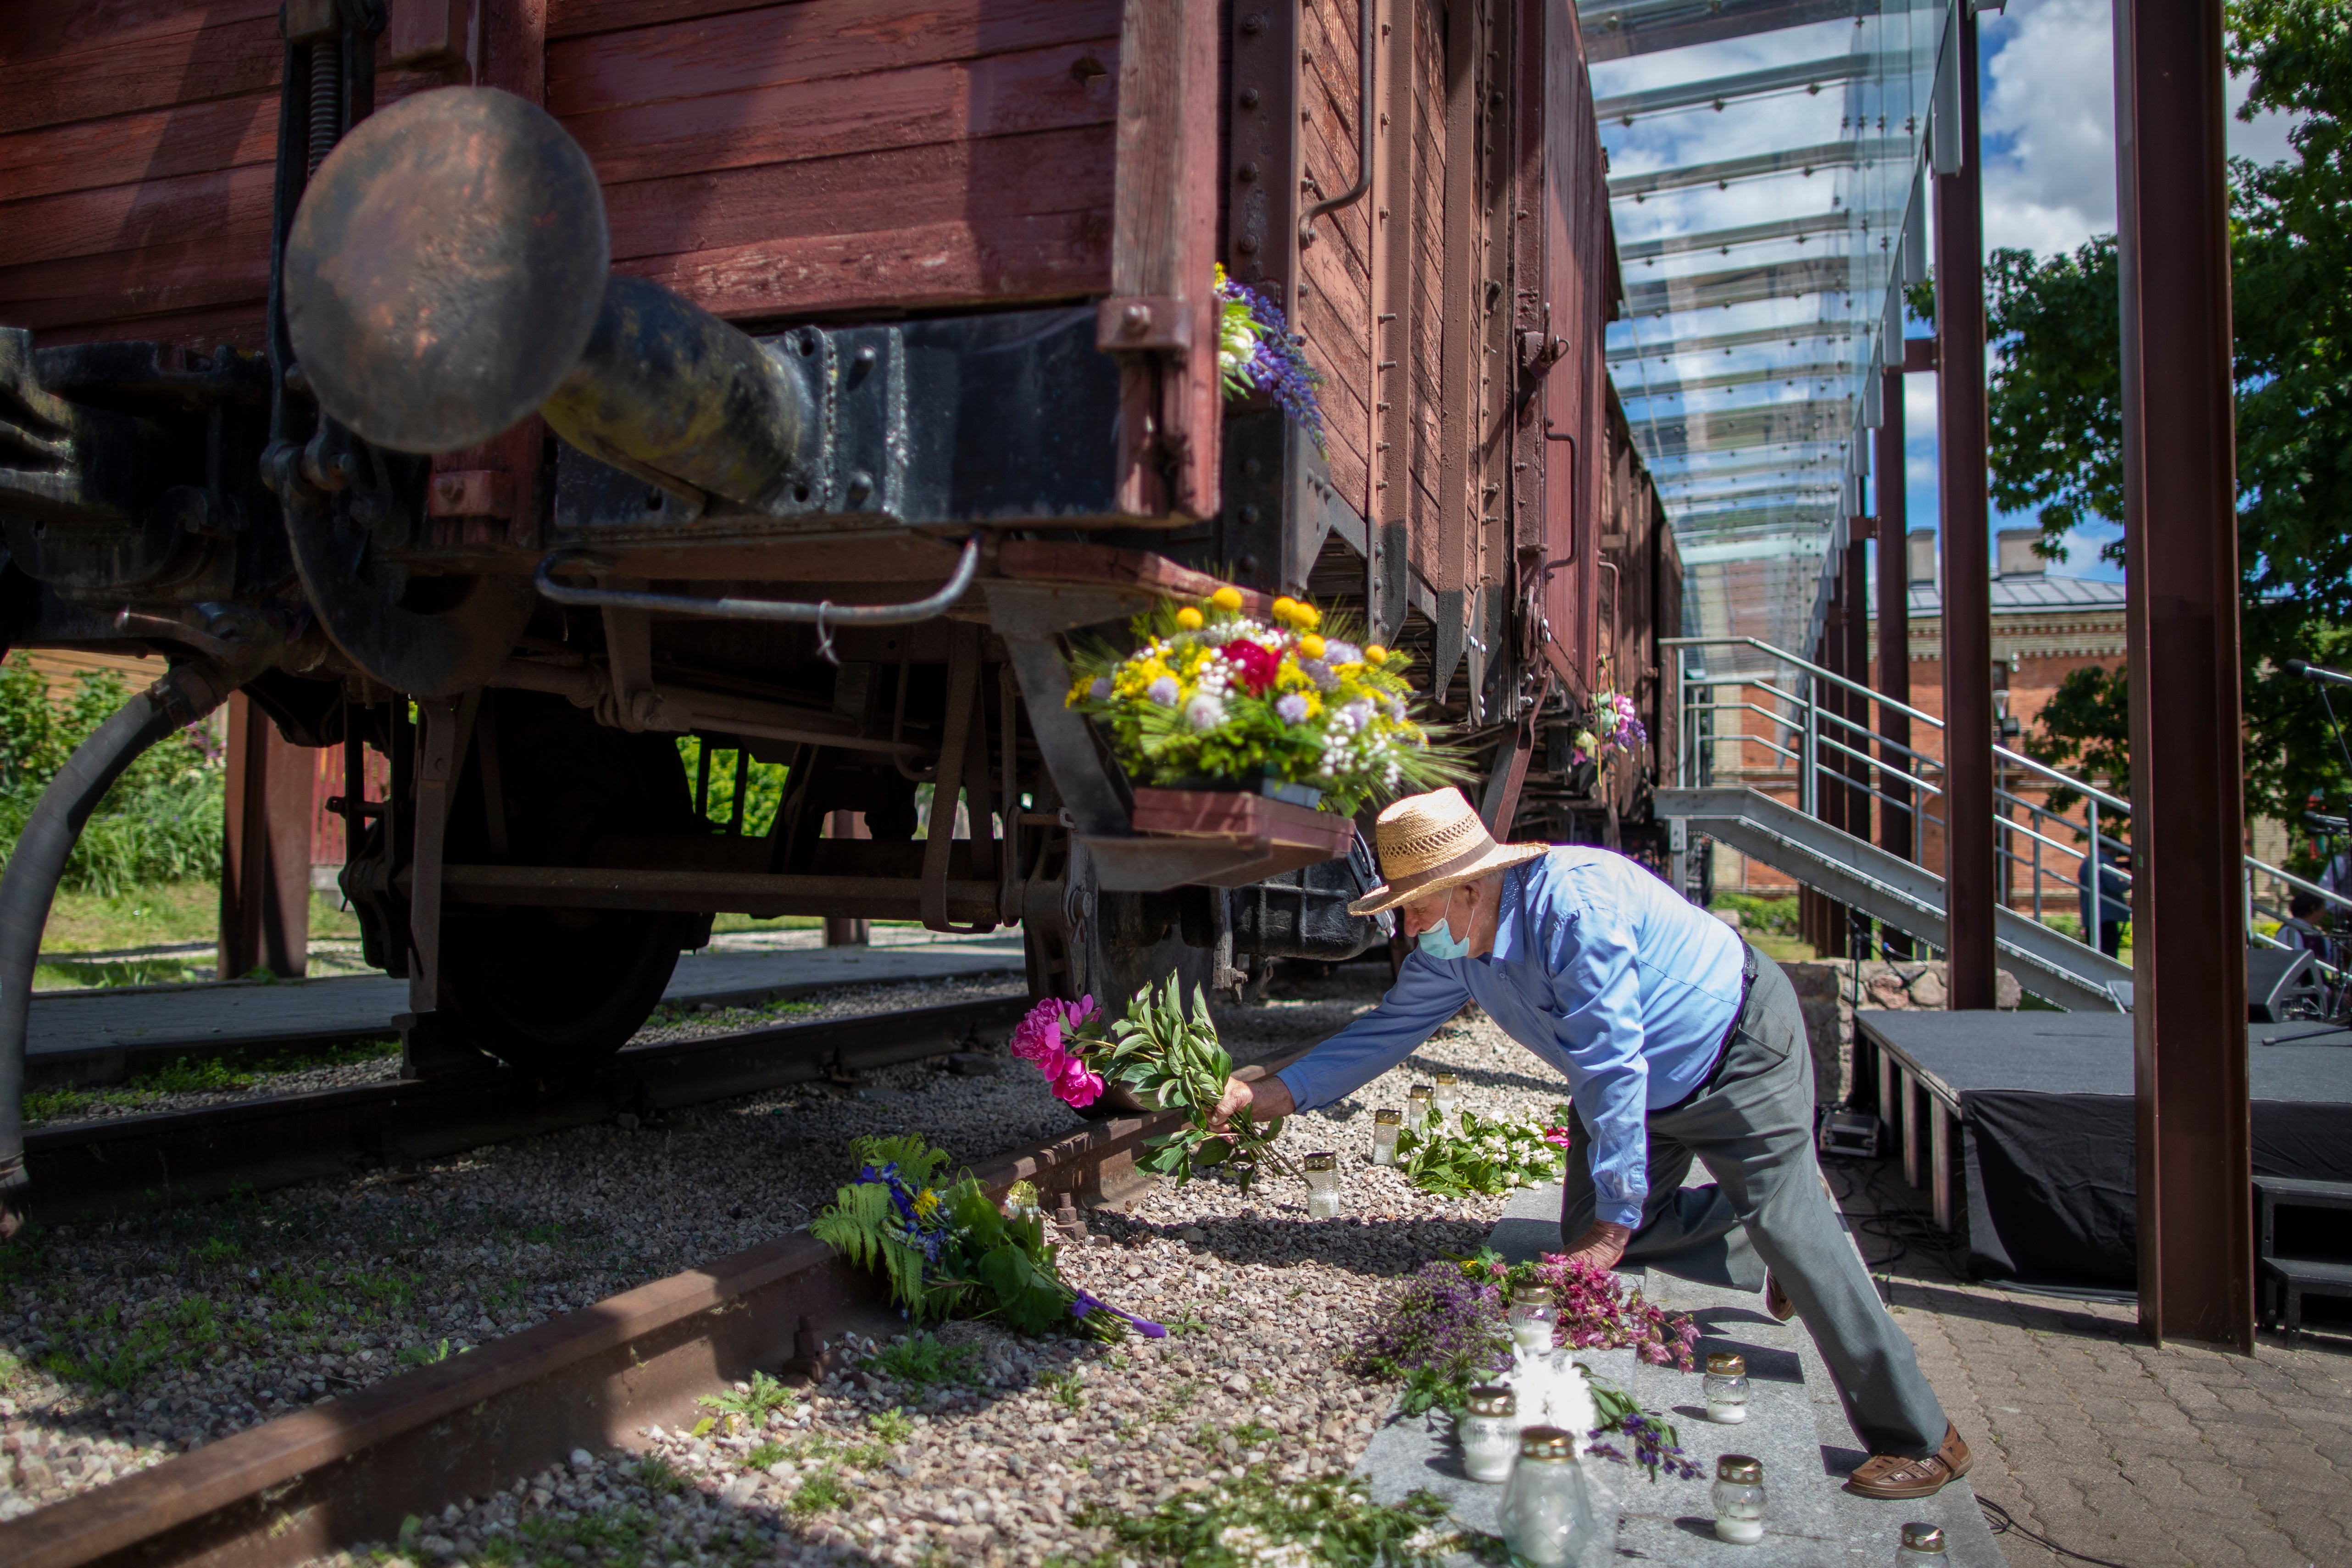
(1440, 942)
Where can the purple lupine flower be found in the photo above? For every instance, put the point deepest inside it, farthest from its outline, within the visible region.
(1277, 367)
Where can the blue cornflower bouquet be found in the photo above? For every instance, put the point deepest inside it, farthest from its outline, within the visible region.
(948, 1251)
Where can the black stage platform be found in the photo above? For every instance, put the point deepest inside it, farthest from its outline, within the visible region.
(2043, 1170)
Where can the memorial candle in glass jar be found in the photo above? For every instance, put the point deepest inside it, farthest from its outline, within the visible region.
(1385, 1124)
(1448, 1096)
(1739, 1499)
(1725, 1385)
(1534, 1317)
(1547, 1514)
(1323, 1185)
(1489, 1430)
(1416, 1108)
(1922, 1547)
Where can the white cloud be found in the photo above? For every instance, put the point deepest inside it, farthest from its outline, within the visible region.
(2049, 125)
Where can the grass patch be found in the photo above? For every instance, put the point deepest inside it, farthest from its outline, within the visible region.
(193, 1075)
(824, 1489)
(1064, 1389)
(921, 1362)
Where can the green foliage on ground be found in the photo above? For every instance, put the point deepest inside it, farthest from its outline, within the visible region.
(1328, 1519)
(161, 820)
(2057, 409)
(193, 1075)
(920, 1362)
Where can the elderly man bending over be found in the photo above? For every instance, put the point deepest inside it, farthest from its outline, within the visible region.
(1678, 1041)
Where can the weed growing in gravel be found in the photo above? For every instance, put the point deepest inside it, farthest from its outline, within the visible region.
(659, 1475)
(424, 1354)
(1331, 1520)
(1180, 1327)
(1064, 1389)
(747, 1402)
(920, 1362)
(822, 1490)
(762, 1455)
(890, 1427)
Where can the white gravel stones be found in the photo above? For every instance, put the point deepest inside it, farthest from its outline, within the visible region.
(230, 1313)
(1263, 1307)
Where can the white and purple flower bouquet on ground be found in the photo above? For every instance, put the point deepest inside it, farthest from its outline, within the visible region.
(948, 1251)
(1168, 1060)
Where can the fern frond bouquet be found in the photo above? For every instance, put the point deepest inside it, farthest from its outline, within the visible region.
(1168, 1058)
(1211, 696)
(948, 1251)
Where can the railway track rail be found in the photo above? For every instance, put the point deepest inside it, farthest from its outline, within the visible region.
(86, 1167)
(353, 1467)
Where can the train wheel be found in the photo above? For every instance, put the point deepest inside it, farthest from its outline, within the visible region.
(549, 990)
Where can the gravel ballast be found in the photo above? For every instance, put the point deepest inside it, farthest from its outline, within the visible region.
(232, 1313)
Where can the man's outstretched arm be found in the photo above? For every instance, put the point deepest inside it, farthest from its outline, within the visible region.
(1426, 994)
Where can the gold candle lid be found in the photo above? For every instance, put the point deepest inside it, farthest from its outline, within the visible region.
(1727, 1364)
(1492, 1399)
(1923, 1538)
(1532, 1295)
(1323, 1160)
(1740, 1467)
(1418, 1091)
(1446, 1077)
(1545, 1442)
(1387, 1118)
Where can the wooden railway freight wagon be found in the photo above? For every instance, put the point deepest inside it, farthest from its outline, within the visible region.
(513, 387)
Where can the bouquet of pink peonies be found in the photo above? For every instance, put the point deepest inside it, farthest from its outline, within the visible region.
(1039, 1040)
(1168, 1060)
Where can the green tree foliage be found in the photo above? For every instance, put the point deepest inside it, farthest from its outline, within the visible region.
(2056, 406)
(763, 785)
(161, 820)
(2085, 728)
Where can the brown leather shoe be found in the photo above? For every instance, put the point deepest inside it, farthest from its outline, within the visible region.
(1894, 1477)
(1776, 1300)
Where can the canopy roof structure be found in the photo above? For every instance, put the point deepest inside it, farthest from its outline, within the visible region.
(1767, 162)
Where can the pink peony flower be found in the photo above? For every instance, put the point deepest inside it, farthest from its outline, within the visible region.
(1073, 1084)
(1038, 1039)
(1559, 1137)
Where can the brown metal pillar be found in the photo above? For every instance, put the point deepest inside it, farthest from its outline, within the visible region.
(1855, 666)
(847, 931)
(1896, 833)
(2189, 939)
(264, 895)
(1971, 890)
(1829, 796)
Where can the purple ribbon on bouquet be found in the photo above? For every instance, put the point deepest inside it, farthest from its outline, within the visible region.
(1088, 1301)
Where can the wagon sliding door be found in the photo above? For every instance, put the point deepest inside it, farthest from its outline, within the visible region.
(1570, 300)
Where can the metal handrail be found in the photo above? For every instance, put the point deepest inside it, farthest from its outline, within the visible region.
(1807, 730)
(1806, 664)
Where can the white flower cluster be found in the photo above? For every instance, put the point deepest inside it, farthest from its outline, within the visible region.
(1252, 1544)
(1553, 1391)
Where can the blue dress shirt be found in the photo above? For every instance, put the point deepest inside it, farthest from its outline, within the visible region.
(1599, 968)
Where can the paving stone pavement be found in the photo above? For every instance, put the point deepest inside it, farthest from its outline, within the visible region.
(2182, 1457)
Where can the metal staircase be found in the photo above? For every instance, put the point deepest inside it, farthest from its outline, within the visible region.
(1779, 708)
(1909, 898)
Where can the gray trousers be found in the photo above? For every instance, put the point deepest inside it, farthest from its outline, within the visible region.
(1752, 1129)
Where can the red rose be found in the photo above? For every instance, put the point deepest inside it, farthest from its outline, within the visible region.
(1257, 665)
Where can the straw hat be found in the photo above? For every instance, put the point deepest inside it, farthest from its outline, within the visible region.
(1431, 842)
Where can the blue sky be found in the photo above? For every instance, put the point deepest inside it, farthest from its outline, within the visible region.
(2047, 126)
